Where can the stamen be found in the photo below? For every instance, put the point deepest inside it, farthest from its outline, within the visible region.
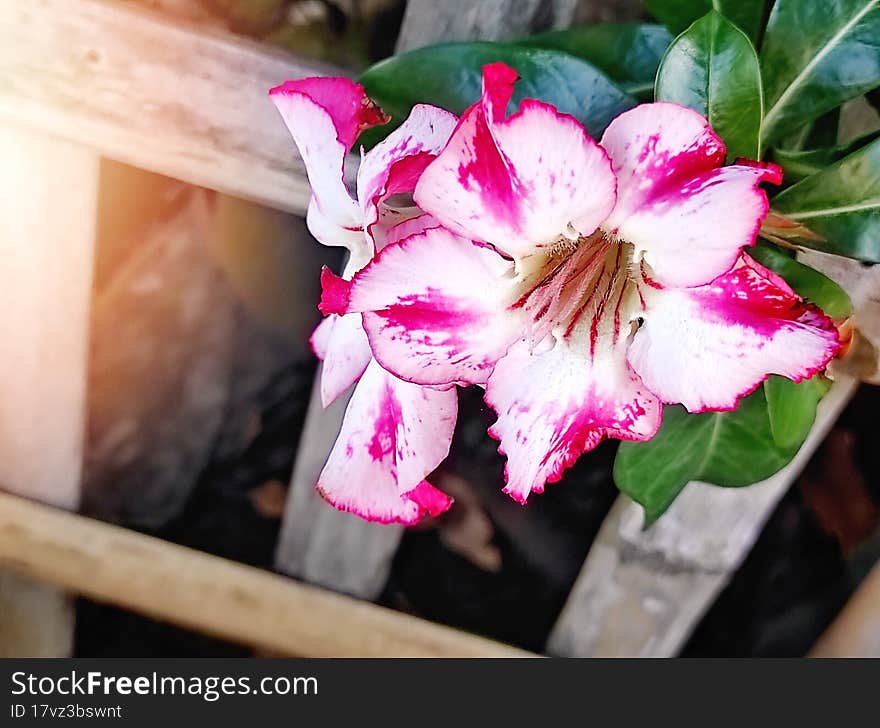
(563, 247)
(610, 236)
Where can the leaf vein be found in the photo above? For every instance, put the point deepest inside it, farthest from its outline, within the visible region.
(818, 58)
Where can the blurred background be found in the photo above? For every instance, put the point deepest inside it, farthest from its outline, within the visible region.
(199, 378)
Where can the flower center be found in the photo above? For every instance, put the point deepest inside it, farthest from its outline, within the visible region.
(563, 247)
(587, 280)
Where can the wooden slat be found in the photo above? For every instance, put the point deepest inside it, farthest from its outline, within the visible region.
(335, 549)
(154, 94)
(641, 593)
(36, 619)
(428, 21)
(48, 203)
(855, 632)
(213, 595)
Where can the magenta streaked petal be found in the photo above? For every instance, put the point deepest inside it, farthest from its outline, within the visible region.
(521, 182)
(436, 308)
(675, 202)
(413, 226)
(393, 435)
(431, 500)
(344, 101)
(320, 338)
(708, 346)
(325, 116)
(335, 293)
(556, 405)
(394, 165)
(340, 342)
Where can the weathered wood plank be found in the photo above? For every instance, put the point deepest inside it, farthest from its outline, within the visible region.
(428, 21)
(48, 203)
(213, 595)
(855, 632)
(152, 93)
(335, 549)
(641, 593)
(36, 619)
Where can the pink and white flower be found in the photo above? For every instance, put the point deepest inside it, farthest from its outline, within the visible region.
(583, 284)
(394, 432)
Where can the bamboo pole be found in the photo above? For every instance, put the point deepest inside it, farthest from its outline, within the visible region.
(48, 208)
(642, 592)
(212, 595)
(855, 632)
(149, 91)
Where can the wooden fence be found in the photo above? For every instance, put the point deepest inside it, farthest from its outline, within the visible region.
(84, 79)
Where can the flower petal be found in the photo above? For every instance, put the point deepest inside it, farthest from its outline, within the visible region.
(394, 165)
(517, 183)
(436, 308)
(430, 500)
(327, 232)
(412, 226)
(706, 347)
(689, 215)
(393, 435)
(340, 342)
(325, 116)
(556, 405)
(563, 397)
(320, 337)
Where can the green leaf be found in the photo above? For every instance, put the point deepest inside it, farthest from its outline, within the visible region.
(807, 282)
(820, 132)
(713, 68)
(792, 406)
(451, 75)
(726, 448)
(841, 204)
(800, 164)
(628, 53)
(797, 164)
(679, 14)
(815, 56)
